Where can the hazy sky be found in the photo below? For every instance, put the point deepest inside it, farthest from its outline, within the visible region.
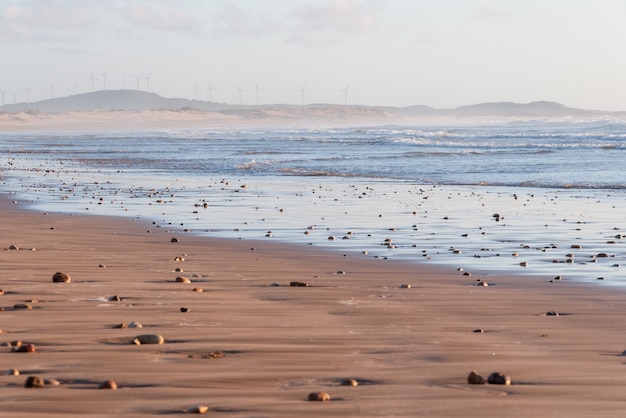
(443, 53)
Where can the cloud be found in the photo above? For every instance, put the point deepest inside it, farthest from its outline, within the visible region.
(489, 12)
(324, 23)
(233, 21)
(45, 20)
(151, 16)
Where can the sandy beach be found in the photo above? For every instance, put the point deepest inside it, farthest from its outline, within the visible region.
(251, 345)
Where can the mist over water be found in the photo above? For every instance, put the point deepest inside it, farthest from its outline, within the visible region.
(432, 191)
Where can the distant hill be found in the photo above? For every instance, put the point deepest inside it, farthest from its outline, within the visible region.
(133, 100)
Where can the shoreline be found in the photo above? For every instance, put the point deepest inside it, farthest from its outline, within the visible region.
(248, 348)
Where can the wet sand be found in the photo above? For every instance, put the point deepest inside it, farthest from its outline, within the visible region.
(247, 347)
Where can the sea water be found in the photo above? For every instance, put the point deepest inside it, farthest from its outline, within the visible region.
(543, 198)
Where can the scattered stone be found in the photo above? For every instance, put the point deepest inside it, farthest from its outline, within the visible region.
(149, 339)
(174, 239)
(558, 278)
(524, 264)
(198, 409)
(28, 348)
(576, 247)
(349, 382)
(319, 396)
(475, 379)
(552, 313)
(178, 270)
(478, 331)
(135, 324)
(119, 326)
(34, 382)
(298, 284)
(341, 272)
(182, 279)
(109, 384)
(114, 298)
(102, 266)
(1, 292)
(197, 289)
(405, 286)
(13, 248)
(22, 306)
(481, 283)
(12, 372)
(60, 277)
(51, 382)
(184, 310)
(179, 258)
(497, 378)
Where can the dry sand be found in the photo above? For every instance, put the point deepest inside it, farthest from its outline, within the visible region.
(246, 348)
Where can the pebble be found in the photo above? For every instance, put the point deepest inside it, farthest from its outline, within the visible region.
(475, 379)
(149, 339)
(34, 382)
(28, 348)
(135, 324)
(13, 247)
(60, 277)
(319, 396)
(184, 310)
(22, 306)
(349, 382)
(109, 384)
(197, 289)
(552, 313)
(12, 372)
(174, 239)
(198, 409)
(114, 298)
(298, 284)
(405, 286)
(497, 378)
(182, 279)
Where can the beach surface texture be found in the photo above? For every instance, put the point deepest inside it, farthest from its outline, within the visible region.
(263, 328)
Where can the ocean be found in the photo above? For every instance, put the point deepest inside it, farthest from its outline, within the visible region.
(528, 197)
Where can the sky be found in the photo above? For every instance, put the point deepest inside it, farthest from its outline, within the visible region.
(444, 53)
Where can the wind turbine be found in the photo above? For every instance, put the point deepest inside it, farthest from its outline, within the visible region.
(137, 78)
(104, 80)
(14, 97)
(51, 88)
(210, 90)
(303, 91)
(2, 92)
(345, 91)
(75, 90)
(148, 78)
(28, 89)
(93, 85)
(257, 93)
(197, 91)
(240, 91)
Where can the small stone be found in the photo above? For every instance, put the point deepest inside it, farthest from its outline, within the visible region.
(174, 239)
(149, 339)
(51, 382)
(60, 277)
(475, 379)
(478, 331)
(114, 298)
(552, 313)
(122, 325)
(1, 292)
(109, 384)
(178, 270)
(497, 378)
(481, 283)
(197, 289)
(349, 382)
(13, 247)
(135, 324)
(184, 310)
(102, 266)
(405, 286)
(182, 279)
(28, 348)
(12, 372)
(34, 382)
(198, 409)
(22, 306)
(298, 284)
(319, 396)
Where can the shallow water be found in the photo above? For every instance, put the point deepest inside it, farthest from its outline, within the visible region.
(432, 192)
